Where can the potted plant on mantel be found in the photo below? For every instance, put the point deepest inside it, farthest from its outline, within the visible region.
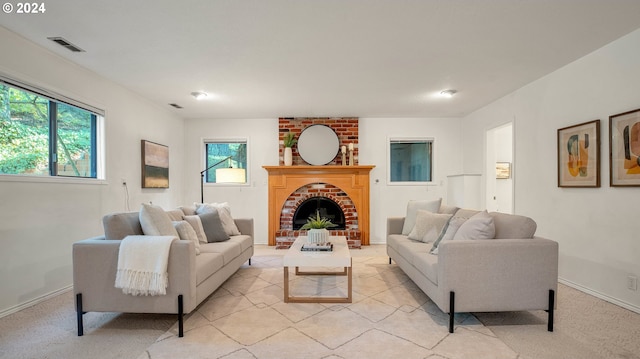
(317, 227)
(289, 141)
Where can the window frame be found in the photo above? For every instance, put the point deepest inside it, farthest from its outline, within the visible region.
(203, 152)
(97, 137)
(398, 139)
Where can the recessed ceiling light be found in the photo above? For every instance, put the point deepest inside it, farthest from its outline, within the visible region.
(448, 93)
(199, 95)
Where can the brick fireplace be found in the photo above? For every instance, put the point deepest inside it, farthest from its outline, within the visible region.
(289, 186)
(345, 186)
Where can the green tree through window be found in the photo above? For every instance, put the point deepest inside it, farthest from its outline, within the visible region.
(43, 137)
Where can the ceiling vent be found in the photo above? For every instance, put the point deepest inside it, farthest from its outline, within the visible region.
(175, 105)
(62, 42)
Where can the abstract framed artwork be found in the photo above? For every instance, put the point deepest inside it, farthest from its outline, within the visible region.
(155, 165)
(579, 155)
(624, 149)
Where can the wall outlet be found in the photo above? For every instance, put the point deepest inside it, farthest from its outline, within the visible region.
(632, 283)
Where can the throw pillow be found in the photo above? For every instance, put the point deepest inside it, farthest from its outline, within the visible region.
(429, 226)
(175, 214)
(412, 210)
(196, 223)
(224, 211)
(155, 221)
(213, 228)
(480, 226)
(187, 233)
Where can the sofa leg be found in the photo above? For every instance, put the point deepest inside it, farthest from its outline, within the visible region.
(249, 261)
(552, 300)
(452, 310)
(389, 260)
(180, 317)
(79, 314)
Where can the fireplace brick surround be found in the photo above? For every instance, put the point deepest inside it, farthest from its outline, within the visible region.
(348, 186)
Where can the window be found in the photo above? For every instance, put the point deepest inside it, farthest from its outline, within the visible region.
(44, 136)
(224, 155)
(410, 161)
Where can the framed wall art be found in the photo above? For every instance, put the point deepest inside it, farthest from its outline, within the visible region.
(579, 155)
(624, 149)
(155, 165)
(503, 170)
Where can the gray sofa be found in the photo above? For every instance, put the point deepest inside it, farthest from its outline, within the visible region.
(192, 278)
(516, 271)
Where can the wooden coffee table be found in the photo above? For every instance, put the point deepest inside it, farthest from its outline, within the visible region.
(338, 257)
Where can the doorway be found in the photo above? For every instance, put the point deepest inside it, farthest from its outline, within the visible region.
(499, 169)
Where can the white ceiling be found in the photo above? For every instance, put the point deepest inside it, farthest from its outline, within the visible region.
(290, 58)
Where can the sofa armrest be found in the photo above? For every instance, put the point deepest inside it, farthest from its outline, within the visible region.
(394, 225)
(95, 262)
(245, 226)
(498, 274)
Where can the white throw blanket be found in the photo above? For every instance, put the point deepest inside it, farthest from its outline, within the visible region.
(142, 265)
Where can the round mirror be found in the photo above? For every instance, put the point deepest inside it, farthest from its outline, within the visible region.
(318, 144)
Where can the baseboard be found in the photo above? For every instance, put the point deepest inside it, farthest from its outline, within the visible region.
(34, 301)
(599, 295)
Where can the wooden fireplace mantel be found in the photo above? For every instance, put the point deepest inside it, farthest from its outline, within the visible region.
(353, 180)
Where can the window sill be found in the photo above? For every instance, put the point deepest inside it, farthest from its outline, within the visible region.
(416, 184)
(51, 179)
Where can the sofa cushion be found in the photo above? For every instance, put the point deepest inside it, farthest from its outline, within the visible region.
(213, 228)
(228, 249)
(207, 264)
(412, 210)
(513, 226)
(429, 226)
(393, 240)
(480, 226)
(187, 233)
(245, 241)
(427, 265)
(196, 223)
(119, 225)
(155, 221)
(224, 211)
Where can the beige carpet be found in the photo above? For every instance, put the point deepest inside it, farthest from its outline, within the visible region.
(389, 318)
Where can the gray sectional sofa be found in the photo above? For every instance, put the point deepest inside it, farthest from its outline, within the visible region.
(514, 271)
(192, 278)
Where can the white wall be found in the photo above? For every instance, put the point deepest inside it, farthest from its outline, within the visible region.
(597, 228)
(262, 134)
(39, 221)
(246, 201)
(390, 200)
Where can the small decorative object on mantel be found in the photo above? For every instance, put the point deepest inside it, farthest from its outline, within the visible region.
(351, 154)
(289, 141)
(343, 150)
(317, 227)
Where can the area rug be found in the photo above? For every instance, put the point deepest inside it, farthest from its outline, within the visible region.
(389, 318)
